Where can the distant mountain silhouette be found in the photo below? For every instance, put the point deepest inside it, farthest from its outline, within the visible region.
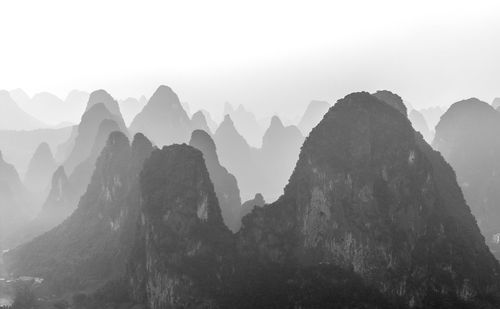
(80, 176)
(246, 123)
(237, 156)
(248, 206)
(277, 157)
(130, 107)
(163, 120)
(468, 137)
(14, 202)
(496, 103)
(40, 170)
(102, 96)
(312, 116)
(42, 105)
(225, 184)
(90, 245)
(199, 122)
(20, 153)
(13, 117)
(60, 203)
(419, 124)
(87, 131)
(210, 122)
(432, 115)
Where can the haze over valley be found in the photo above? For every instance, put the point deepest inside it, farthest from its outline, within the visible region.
(221, 154)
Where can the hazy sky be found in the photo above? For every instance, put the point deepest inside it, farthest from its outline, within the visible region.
(269, 55)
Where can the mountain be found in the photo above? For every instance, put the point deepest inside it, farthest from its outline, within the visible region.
(368, 194)
(496, 103)
(237, 156)
(432, 115)
(392, 99)
(163, 120)
(210, 122)
(15, 118)
(20, 152)
(278, 156)
(313, 115)
(40, 170)
(467, 137)
(87, 131)
(225, 184)
(199, 122)
(102, 96)
(419, 124)
(180, 259)
(248, 206)
(14, 202)
(42, 105)
(246, 123)
(89, 247)
(59, 204)
(81, 175)
(130, 107)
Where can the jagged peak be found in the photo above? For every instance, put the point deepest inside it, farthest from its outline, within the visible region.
(391, 99)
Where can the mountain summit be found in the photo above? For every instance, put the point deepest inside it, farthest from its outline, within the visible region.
(163, 119)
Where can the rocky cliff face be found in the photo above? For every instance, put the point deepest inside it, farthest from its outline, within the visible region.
(180, 254)
(163, 120)
(467, 136)
(225, 184)
(370, 195)
(89, 247)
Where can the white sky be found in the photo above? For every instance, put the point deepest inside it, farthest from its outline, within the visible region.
(271, 56)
